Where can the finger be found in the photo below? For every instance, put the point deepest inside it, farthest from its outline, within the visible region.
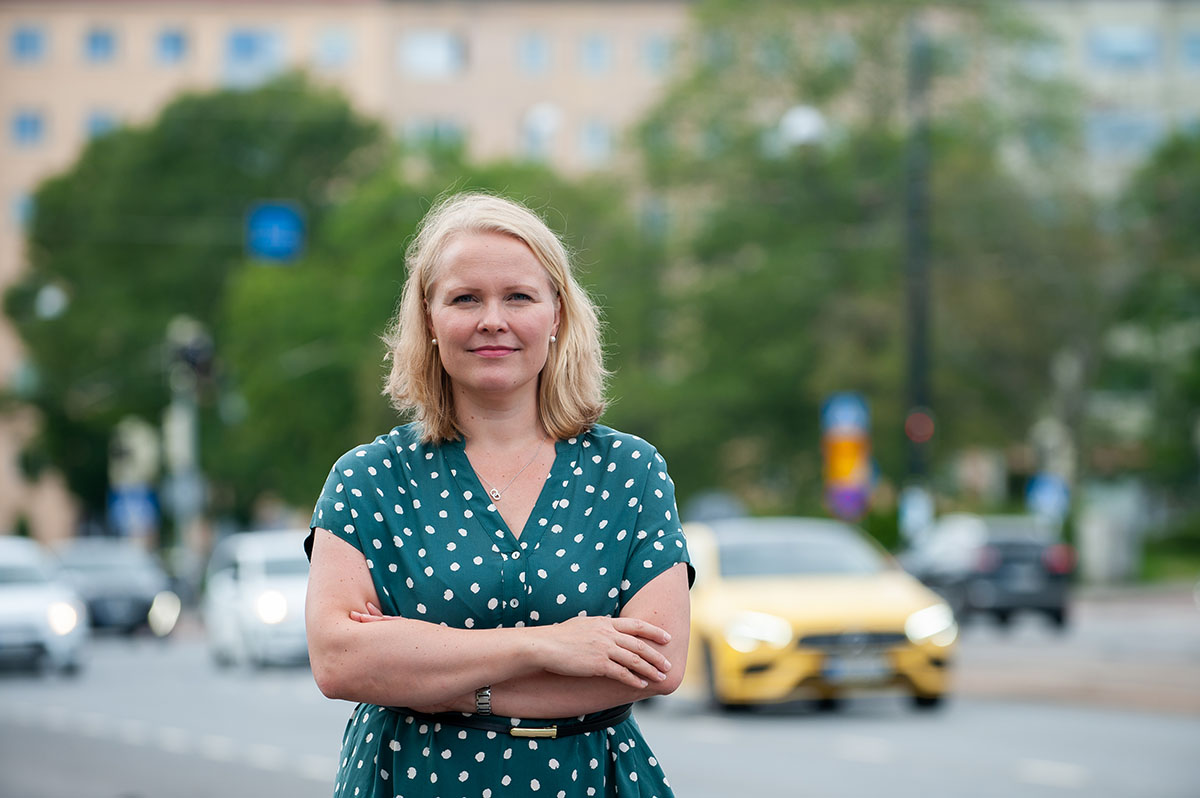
(624, 675)
(373, 610)
(640, 628)
(646, 652)
(638, 665)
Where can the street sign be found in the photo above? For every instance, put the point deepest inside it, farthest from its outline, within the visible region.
(846, 449)
(275, 231)
(132, 510)
(1048, 495)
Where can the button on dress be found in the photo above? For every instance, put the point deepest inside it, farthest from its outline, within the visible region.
(604, 525)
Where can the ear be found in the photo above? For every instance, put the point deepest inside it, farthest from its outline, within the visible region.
(557, 313)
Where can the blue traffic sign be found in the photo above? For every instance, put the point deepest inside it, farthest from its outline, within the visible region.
(275, 231)
(842, 410)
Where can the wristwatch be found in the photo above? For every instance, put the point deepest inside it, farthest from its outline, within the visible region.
(483, 700)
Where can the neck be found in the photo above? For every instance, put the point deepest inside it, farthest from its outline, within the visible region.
(499, 426)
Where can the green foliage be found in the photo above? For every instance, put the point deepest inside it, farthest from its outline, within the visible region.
(147, 225)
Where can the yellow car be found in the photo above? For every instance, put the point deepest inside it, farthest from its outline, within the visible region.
(792, 608)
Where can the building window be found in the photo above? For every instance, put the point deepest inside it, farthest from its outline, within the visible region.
(27, 45)
(533, 54)
(1123, 133)
(100, 46)
(1124, 48)
(22, 210)
(27, 128)
(252, 56)
(436, 132)
(596, 54)
(171, 47)
(596, 142)
(539, 126)
(432, 54)
(656, 53)
(335, 47)
(1189, 50)
(100, 122)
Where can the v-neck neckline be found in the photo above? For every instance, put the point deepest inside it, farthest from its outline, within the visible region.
(482, 505)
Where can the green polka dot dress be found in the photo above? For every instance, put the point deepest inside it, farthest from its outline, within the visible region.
(604, 526)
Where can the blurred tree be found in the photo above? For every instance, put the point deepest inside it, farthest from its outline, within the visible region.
(147, 225)
(780, 149)
(1154, 349)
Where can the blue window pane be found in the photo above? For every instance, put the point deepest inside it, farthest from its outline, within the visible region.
(334, 48)
(1124, 48)
(1189, 50)
(656, 54)
(172, 46)
(533, 54)
(252, 56)
(27, 128)
(99, 123)
(27, 45)
(100, 45)
(596, 54)
(596, 142)
(1123, 133)
(22, 210)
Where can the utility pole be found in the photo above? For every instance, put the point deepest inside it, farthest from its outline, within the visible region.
(918, 423)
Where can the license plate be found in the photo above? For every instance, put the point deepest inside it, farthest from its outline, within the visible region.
(1024, 579)
(843, 669)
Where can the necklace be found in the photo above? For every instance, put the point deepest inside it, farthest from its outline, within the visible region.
(496, 494)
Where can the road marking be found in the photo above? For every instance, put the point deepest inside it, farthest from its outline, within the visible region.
(173, 740)
(318, 768)
(1051, 774)
(266, 757)
(217, 748)
(872, 750)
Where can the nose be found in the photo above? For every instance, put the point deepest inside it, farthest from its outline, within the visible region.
(492, 318)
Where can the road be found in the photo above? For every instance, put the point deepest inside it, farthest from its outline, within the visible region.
(1108, 710)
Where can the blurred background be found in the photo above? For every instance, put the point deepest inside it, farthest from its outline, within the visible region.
(929, 271)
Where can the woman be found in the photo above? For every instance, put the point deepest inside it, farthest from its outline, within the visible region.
(496, 582)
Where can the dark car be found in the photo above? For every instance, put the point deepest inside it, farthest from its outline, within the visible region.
(125, 587)
(995, 565)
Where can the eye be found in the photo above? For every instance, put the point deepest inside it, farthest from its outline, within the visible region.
(520, 297)
(462, 299)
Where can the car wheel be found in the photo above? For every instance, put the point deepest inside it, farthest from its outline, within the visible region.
(710, 679)
(1058, 618)
(1003, 617)
(927, 702)
(828, 703)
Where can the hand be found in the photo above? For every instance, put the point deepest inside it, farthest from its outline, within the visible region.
(615, 648)
(373, 613)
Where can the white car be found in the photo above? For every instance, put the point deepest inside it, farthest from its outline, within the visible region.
(253, 605)
(43, 622)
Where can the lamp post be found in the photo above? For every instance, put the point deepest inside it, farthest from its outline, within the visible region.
(189, 360)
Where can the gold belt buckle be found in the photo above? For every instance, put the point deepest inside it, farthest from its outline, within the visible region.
(534, 731)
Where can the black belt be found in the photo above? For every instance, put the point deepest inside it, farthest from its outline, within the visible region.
(595, 722)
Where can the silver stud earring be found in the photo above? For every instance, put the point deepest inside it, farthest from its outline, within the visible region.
(553, 339)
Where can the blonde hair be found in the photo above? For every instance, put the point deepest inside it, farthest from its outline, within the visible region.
(571, 385)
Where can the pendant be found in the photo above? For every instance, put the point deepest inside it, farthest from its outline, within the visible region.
(495, 494)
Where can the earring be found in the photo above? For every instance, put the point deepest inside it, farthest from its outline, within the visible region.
(553, 339)
(434, 341)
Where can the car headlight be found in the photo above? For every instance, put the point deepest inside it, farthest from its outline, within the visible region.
(747, 631)
(164, 613)
(935, 623)
(62, 617)
(271, 606)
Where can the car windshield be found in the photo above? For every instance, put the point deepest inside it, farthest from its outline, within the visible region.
(22, 574)
(285, 566)
(832, 550)
(89, 558)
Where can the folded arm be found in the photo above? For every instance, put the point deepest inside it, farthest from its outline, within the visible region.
(406, 662)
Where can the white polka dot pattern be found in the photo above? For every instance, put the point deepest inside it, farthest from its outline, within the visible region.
(604, 526)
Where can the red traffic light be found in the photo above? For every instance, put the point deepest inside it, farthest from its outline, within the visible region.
(919, 426)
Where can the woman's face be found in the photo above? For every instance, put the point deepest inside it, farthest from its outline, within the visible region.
(492, 309)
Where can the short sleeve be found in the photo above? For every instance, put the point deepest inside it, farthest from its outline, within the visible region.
(658, 543)
(333, 510)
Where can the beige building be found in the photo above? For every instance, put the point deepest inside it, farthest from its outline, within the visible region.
(559, 80)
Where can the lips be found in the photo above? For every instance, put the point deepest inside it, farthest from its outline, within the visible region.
(493, 351)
